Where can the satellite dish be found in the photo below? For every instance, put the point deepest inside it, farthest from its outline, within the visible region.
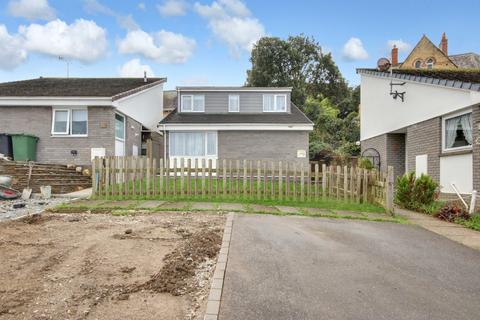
(383, 64)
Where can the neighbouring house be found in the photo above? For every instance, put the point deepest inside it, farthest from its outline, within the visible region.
(236, 123)
(426, 55)
(169, 101)
(427, 121)
(76, 119)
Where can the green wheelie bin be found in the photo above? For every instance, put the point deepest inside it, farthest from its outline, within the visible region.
(24, 147)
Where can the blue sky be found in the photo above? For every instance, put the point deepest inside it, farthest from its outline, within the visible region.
(208, 42)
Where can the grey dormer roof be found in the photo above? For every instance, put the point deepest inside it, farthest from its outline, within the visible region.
(76, 87)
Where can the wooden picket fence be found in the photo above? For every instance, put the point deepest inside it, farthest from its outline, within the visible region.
(142, 177)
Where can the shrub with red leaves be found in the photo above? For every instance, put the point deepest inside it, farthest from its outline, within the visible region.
(452, 211)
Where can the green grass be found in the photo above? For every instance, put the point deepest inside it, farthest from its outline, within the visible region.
(472, 223)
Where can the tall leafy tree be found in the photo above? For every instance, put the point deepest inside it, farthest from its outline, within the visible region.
(318, 88)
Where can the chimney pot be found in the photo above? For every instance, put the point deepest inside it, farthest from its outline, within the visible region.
(394, 55)
(444, 44)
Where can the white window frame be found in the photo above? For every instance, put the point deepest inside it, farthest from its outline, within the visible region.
(275, 98)
(229, 104)
(205, 147)
(68, 132)
(444, 119)
(192, 97)
(124, 127)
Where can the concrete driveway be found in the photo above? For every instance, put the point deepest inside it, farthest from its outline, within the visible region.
(317, 268)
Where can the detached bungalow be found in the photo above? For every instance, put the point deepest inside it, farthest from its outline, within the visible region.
(237, 123)
(76, 119)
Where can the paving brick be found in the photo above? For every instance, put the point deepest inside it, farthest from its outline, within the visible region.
(151, 204)
(213, 307)
(175, 205)
(290, 210)
(215, 294)
(204, 206)
(217, 283)
(231, 206)
(120, 203)
(262, 208)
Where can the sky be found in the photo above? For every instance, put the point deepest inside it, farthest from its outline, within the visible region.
(207, 42)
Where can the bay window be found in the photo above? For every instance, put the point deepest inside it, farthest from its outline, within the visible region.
(457, 132)
(193, 144)
(70, 122)
(274, 103)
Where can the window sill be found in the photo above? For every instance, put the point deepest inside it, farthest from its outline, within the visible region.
(68, 136)
(455, 152)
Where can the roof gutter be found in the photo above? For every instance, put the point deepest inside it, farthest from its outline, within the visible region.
(55, 101)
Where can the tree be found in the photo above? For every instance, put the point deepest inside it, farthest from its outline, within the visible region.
(318, 89)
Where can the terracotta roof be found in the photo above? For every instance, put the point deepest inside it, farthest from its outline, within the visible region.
(294, 117)
(469, 60)
(75, 87)
(468, 79)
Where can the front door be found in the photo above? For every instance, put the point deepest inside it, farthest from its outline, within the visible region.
(119, 135)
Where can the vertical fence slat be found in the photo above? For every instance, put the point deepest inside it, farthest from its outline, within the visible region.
(188, 177)
(302, 182)
(251, 179)
(345, 183)
(210, 179)
(244, 178)
(162, 169)
(237, 178)
(287, 180)
(280, 181)
(259, 172)
(324, 180)
(182, 176)
(272, 187)
(294, 189)
(224, 184)
(316, 180)
(265, 180)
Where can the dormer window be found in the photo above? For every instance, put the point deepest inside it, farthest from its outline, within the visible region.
(193, 103)
(430, 63)
(274, 103)
(418, 64)
(234, 103)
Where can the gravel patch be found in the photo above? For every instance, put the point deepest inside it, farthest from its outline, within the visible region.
(11, 209)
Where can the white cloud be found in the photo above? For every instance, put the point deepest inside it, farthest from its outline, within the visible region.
(162, 46)
(31, 9)
(172, 8)
(401, 45)
(125, 21)
(12, 52)
(232, 23)
(134, 69)
(82, 40)
(142, 6)
(353, 50)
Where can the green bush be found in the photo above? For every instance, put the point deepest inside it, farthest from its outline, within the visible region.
(416, 193)
(365, 163)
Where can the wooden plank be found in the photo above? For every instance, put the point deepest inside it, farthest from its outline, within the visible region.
(217, 178)
(224, 185)
(237, 179)
(280, 181)
(189, 177)
(352, 183)
(365, 186)
(259, 172)
(287, 180)
(324, 180)
(148, 176)
(167, 177)
(359, 184)
(345, 183)
(294, 191)
(107, 176)
(196, 178)
(337, 181)
(94, 176)
(182, 176)
(302, 182)
(251, 179)
(309, 182)
(174, 177)
(162, 169)
(154, 176)
(265, 180)
(210, 179)
(272, 180)
(204, 188)
(244, 178)
(389, 191)
(230, 175)
(316, 181)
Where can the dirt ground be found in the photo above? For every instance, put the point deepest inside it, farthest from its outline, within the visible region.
(99, 266)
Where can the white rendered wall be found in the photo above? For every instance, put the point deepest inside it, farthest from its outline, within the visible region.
(146, 107)
(458, 170)
(380, 113)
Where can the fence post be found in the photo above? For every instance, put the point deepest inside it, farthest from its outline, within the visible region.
(244, 178)
(345, 183)
(259, 191)
(224, 186)
(182, 178)
(316, 181)
(162, 168)
(389, 191)
(280, 181)
(302, 182)
(324, 180)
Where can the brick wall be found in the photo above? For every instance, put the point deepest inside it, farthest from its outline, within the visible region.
(38, 121)
(262, 145)
(133, 137)
(391, 147)
(425, 138)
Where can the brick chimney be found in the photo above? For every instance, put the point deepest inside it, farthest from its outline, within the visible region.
(444, 44)
(394, 55)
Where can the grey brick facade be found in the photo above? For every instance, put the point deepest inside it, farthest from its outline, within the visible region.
(53, 149)
(262, 145)
(425, 138)
(391, 148)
